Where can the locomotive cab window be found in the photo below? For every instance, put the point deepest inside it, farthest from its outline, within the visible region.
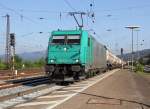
(73, 39)
(58, 39)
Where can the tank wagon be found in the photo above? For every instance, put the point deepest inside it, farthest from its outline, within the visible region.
(113, 60)
(73, 53)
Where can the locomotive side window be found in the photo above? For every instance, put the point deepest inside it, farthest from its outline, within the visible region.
(58, 39)
(73, 39)
(88, 41)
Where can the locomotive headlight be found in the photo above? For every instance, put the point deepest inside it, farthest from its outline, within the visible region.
(77, 60)
(65, 49)
(52, 60)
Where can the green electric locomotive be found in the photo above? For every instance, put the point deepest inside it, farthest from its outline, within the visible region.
(74, 53)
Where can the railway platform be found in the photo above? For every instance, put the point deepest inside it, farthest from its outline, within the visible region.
(117, 89)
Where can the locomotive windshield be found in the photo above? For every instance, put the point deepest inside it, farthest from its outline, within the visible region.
(75, 39)
(58, 39)
(68, 39)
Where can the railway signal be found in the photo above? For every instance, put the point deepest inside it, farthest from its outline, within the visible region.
(12, 39)
(121, 51)
(12, 47)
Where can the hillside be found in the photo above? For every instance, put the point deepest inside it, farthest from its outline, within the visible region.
(142, 54)
(40, 54)
(29, 55)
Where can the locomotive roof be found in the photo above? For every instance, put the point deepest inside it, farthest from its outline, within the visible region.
(66, 32)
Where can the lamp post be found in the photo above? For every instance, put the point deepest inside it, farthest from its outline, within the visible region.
(137, 44)
(132, 28)
(142, 43)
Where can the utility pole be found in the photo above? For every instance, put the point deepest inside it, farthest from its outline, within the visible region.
(8, 48)
(141, 48)
(116, 47)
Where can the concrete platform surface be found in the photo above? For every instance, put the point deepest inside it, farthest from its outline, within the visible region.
(117, 89)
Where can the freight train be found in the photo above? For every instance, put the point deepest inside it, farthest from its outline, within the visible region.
(75, 53)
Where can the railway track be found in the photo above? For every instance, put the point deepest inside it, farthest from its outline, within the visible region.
(22, 93)
(7, 74)
(35, 84)
(27, 81)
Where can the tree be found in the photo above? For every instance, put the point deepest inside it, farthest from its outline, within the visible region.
(36, 64)
(39, 63)
(18, 62)
(28, 64)
(2, 65)
(148, 61)
(141, 61)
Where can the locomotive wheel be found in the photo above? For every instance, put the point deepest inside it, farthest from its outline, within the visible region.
(62, 77)
(50, 76)
(76, 76)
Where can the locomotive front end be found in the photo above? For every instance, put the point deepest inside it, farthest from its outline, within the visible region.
(63, 57)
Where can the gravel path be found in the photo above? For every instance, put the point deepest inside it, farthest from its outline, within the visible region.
(13, 90)
(28, 97)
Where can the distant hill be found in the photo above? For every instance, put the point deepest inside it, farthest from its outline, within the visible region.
(30, 55)
(141, 53)
(39, 54)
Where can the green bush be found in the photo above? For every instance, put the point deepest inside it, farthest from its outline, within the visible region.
(28, 64)
(21, 64)
(139, 67)
(34, 64)
(2, 65)
(39, 63)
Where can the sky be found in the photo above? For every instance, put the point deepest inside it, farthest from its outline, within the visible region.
(28, 18)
